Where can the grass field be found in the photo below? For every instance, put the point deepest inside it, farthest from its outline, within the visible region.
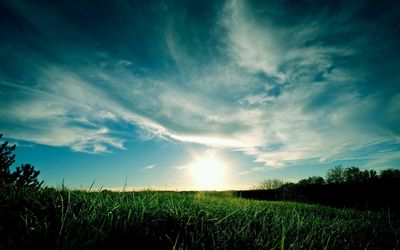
(63, 219)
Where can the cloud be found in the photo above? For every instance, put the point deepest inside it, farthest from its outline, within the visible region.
(280, 83)
(149, 167)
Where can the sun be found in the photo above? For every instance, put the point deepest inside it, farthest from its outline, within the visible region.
(208, 173)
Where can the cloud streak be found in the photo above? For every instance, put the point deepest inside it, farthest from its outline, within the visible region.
(281, 91)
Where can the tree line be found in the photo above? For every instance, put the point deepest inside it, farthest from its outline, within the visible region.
(337, 175)
(348, 187)
(352, 174)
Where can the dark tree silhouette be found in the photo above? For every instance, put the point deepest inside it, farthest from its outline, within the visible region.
(313, 180)
(390, 174)
(372, 175)
(344, 187)
(6, 160)
(23, 177)
(353, 174)
(270, 184)
(335, 175)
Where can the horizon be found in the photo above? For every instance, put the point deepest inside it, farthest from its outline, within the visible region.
(206, 95)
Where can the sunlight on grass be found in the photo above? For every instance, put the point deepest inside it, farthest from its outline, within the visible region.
(68, 219)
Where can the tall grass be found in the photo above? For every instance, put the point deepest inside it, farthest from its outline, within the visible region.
(65, 219)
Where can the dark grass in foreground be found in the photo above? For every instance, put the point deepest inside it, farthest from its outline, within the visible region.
(63, 219)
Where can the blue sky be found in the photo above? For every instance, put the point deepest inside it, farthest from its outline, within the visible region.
(117, 90)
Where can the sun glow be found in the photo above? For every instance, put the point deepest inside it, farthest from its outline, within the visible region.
(208, 173)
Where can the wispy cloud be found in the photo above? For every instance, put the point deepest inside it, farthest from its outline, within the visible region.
(282, 90)
(147, 168)
(150, 167)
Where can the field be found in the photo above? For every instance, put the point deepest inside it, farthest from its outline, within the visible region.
(65, 219)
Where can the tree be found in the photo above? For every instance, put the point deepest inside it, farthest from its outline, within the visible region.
(335, 175)
(372, 175)
(313, 180)
(6, 160)
(271, 184)
(390, 174)
(23, 177)
(353, 174)
(27, 176)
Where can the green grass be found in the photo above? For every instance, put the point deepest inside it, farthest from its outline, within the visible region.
(63, 219)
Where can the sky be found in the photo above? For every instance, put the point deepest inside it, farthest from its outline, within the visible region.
(135, 93)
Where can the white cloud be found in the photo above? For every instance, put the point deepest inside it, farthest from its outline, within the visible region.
(74, 112)
(261, 98)
(149, 167)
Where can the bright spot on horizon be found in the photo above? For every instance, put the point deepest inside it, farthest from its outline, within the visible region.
(208, 173)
